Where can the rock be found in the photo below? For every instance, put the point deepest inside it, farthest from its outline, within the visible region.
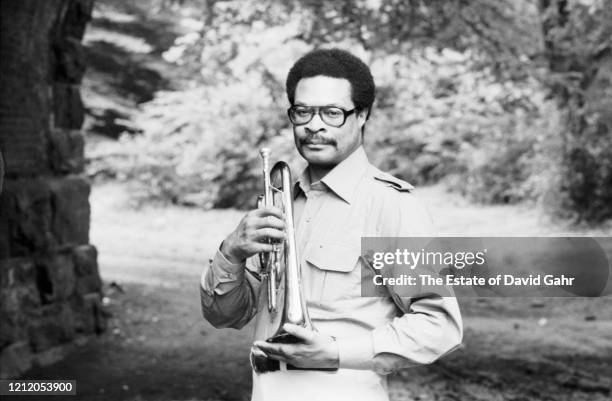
(23, 143)
(94, 308)
(85, 260)
(24, 72)
(16, 271)
(13, 327)
(55, 276)
(54, 325)
(26, 215)
(39, 215)
(15, 359)
(86, 311)
(68, 111)
(69, 60)
(76, 18)
(89, 284)
(5, 243)
(19, 298)
(70, 200)
(66, 151)
(44, 213)
(52, 355)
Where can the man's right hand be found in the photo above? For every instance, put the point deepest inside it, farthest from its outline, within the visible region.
(252, 234)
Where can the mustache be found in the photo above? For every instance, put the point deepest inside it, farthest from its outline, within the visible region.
(317, 140)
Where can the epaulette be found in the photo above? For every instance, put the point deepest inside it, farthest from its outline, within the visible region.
(393, 182)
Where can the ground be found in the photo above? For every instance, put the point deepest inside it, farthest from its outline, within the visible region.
(158, 347)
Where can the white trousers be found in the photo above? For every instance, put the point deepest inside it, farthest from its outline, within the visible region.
(300, 385)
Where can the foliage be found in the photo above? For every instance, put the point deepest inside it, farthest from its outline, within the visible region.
(504, 100)
(578, 37)
(565, 44)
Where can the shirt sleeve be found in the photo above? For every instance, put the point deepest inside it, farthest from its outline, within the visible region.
(430, 326)
(228, 293)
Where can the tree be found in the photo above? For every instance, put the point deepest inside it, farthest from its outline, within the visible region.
(578, 38)
(519, 49)
(565, 44)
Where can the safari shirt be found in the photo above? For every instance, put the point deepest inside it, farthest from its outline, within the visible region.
(375, 335)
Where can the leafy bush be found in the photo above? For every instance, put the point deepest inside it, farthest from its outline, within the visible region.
(503, 101)
(433, 118)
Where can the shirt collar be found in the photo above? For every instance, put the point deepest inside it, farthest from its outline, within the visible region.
(342, 179)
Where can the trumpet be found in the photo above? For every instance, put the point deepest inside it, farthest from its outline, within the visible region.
(281, 267)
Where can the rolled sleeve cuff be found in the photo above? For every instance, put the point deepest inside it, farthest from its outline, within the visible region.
(224, 274)
(356, 352)
(225, 269)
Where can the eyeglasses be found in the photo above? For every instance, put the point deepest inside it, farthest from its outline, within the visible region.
(331, 115)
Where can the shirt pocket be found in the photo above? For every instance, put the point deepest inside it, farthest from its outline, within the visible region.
(335, 264)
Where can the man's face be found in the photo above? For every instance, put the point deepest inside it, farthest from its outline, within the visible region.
(321, 144)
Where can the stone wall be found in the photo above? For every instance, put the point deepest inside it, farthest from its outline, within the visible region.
(50, 289)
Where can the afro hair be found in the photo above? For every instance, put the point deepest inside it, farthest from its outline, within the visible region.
(335, 63)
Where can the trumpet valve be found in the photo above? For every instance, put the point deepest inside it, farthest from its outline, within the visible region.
(272, 290)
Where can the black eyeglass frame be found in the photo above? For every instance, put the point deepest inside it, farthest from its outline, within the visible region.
(317, 110)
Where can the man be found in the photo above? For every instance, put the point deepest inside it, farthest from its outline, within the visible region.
(339, 198)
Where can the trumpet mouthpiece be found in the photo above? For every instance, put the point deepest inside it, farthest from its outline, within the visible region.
(264, 152)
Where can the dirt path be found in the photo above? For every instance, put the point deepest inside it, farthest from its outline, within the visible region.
(157, 346)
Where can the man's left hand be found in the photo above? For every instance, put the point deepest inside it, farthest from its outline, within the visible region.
(316, 350)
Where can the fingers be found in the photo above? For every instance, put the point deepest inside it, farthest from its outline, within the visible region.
(263, 234)
(306, 335)
(274, 351)
(257, 352)
(264, 218)
(269, 211)
(258, 232)
(262, 247)
(269, 221)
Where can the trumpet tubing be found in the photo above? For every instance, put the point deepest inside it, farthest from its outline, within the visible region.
(283, 262)
(281, 267)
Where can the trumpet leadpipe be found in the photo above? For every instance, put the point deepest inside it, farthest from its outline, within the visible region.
(267, 259)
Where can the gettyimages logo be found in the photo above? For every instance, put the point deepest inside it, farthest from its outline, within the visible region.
(413, 259)
(489, 266)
